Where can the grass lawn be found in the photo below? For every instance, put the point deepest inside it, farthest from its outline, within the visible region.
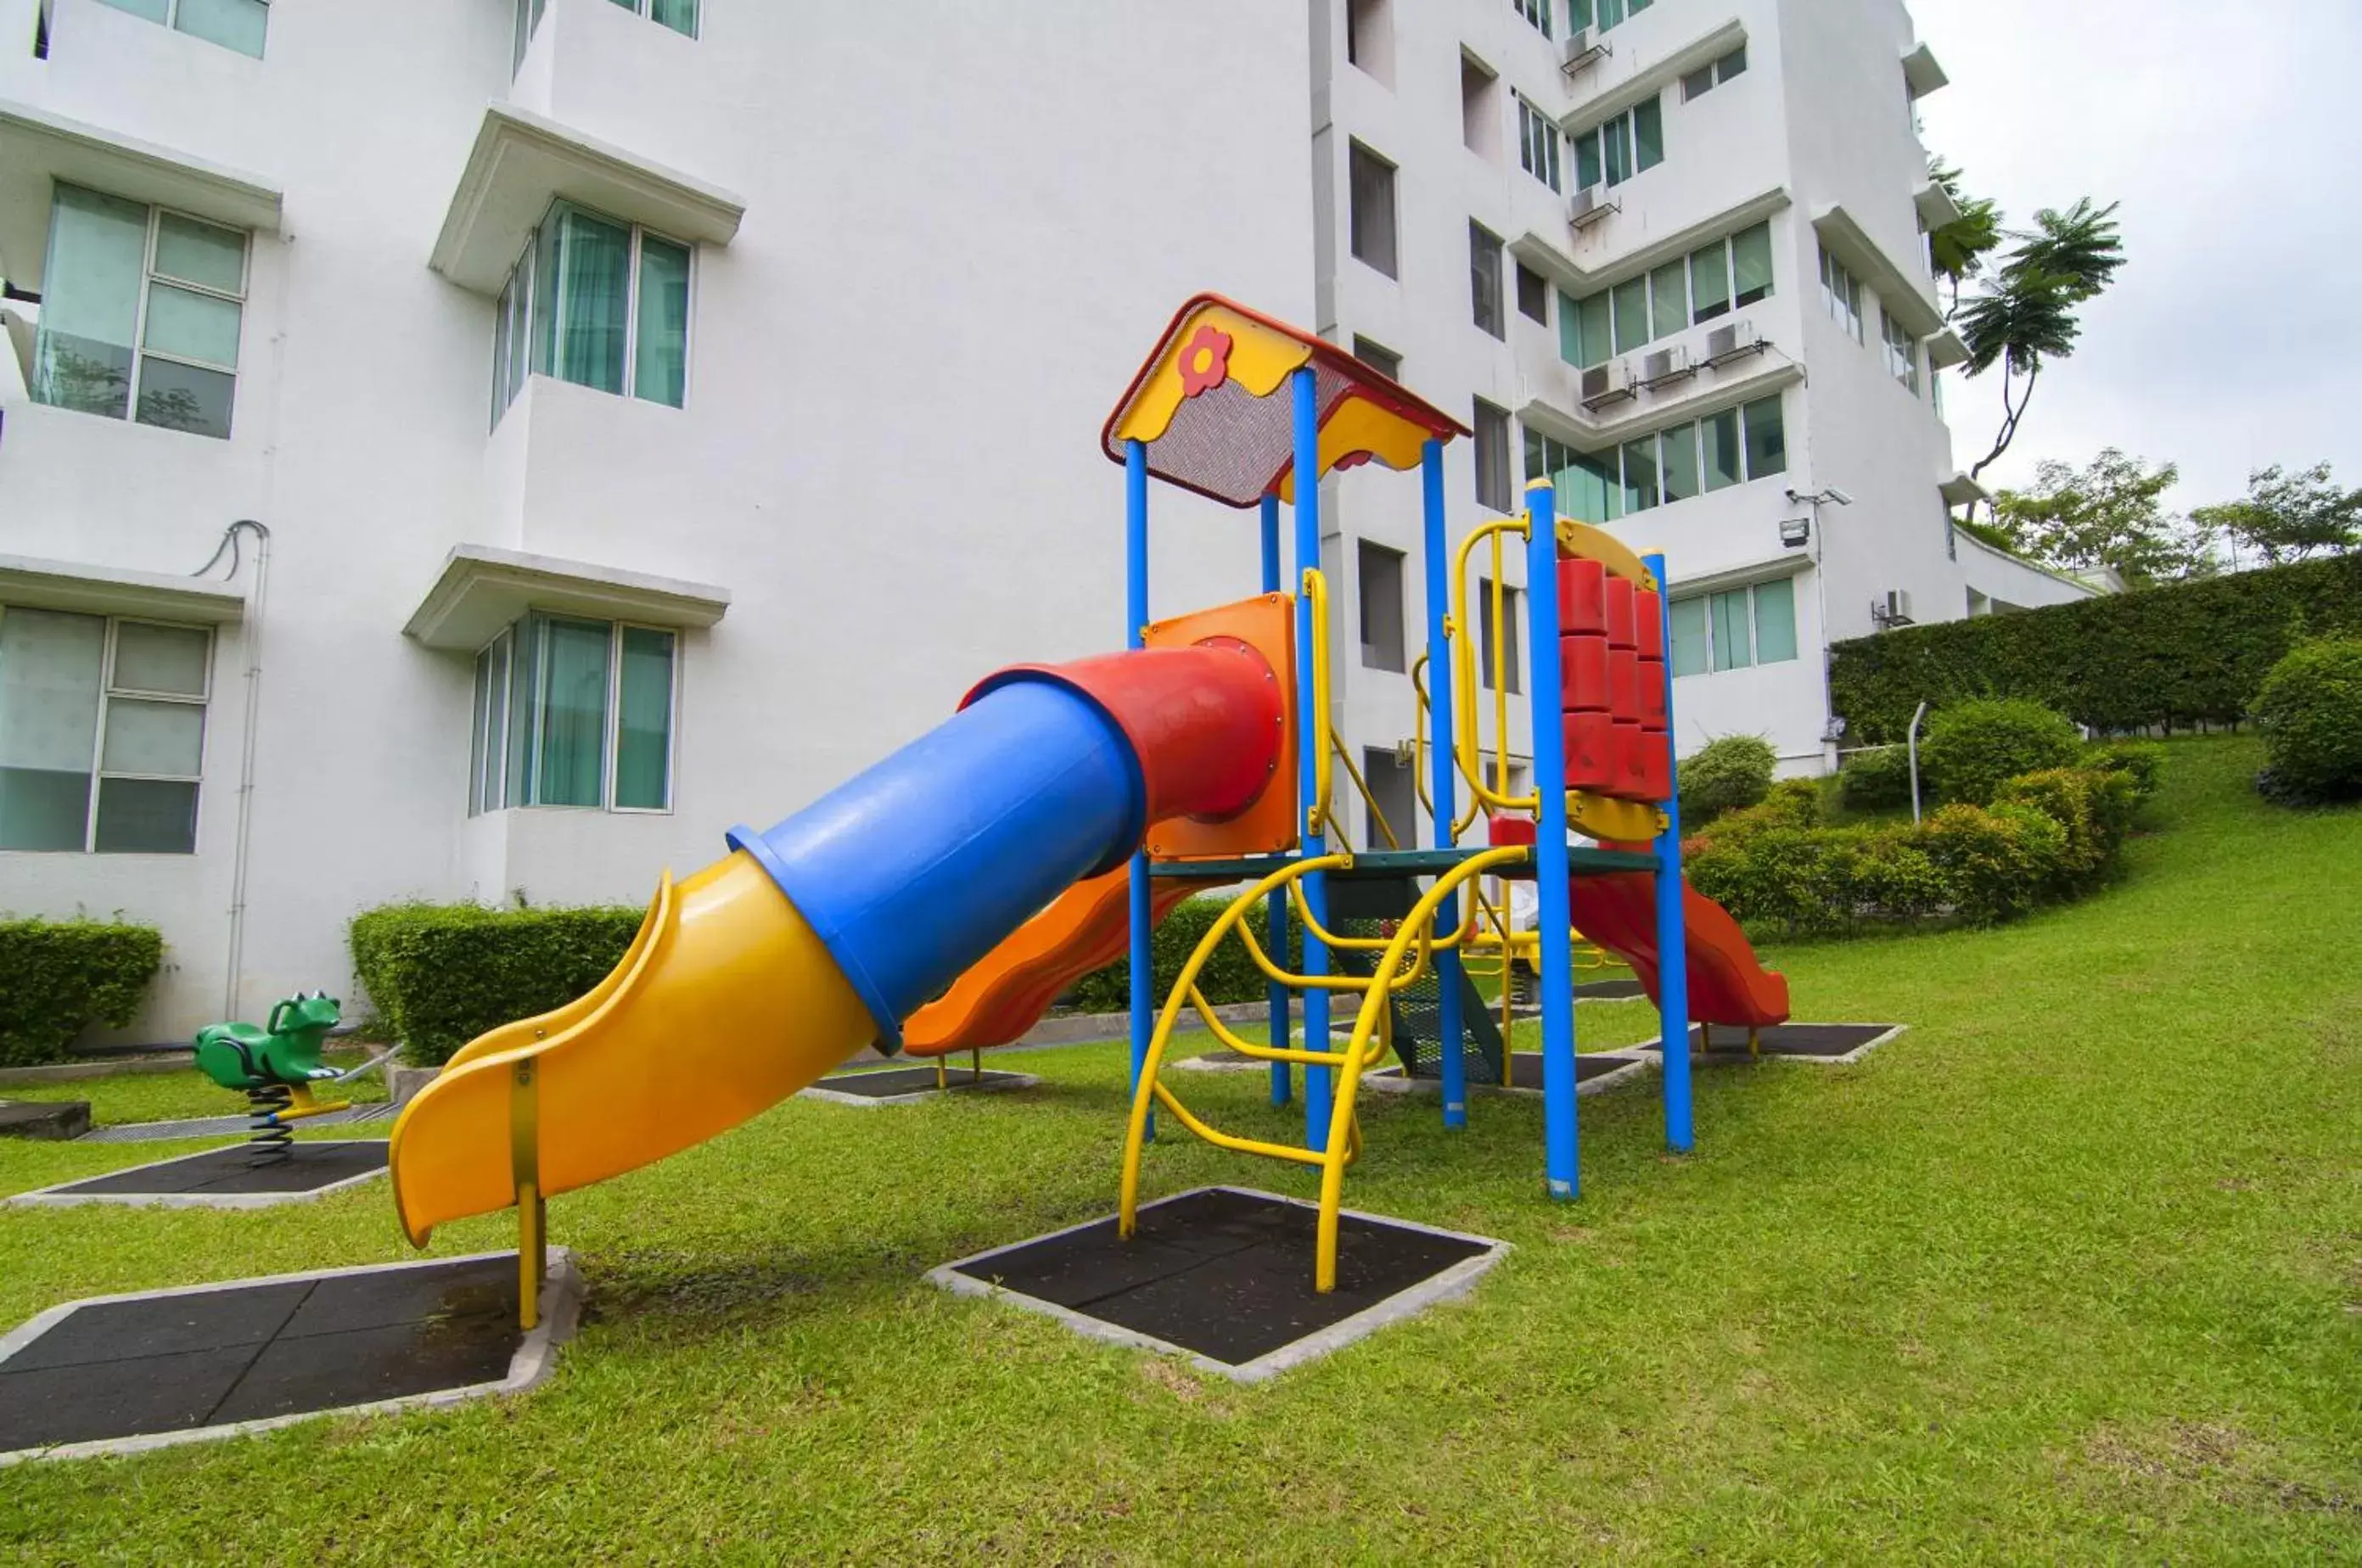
(2071, 1273)
(172, 1096)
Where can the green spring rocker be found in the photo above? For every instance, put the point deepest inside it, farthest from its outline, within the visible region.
(275, 1067)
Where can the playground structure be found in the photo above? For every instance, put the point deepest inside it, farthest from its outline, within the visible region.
(1053, 820)
(275, 1067)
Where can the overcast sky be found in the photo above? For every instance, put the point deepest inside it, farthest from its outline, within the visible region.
(2232, 136)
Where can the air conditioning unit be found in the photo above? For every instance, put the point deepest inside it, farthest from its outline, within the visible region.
(1587, 208)
(1892, 610)
(1580, 51)
(1608, 383)
(1666, 365)
(1736, 341)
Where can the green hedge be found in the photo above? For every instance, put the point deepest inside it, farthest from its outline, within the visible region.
(58, 977)
(440, 974)
(2310, 713)
(1229, 976)
(2048, 835)
(2189, 653)
(1972, 747)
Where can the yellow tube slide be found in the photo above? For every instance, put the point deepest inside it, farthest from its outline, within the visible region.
(725, 1004)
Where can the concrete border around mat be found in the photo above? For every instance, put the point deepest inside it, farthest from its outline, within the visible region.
(56, 1197)
(1205, 1062)
(1006, 1081)
(360, 1115)
(1447, 1285)
(529, 1365)
(1636, 1063)
(1892, 1031)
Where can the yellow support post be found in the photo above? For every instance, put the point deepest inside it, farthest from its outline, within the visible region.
(532, 1215)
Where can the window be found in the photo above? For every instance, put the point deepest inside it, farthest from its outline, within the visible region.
(1372, 178)
(597, 303)
(1678, 463)
(1533, 294)
(1370, 38)
(102, 732)
(1536, 143)
(1668, 299)
(1492, 457)
(1480, 128)
(1901, 350)
(1630, 143)
(1734, 631)
(1610, 12)
(1706, 78)
(681, 15)
(121, 275)
(1383, 360)
(1396, 796)
(233, 24)
(1382, 608)
(573, 713)
(1538, 12)
(1485, 279)
(1512, 654)
(528, 21)
(1841, 294)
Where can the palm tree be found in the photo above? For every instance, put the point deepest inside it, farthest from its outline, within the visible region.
(1957, 251)
(2029, 315)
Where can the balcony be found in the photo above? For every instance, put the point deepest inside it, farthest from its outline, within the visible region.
(1645, 54)
(1612, 249)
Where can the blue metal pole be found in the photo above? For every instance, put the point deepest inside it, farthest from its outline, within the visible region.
(1441, 780)
(1317, 1087)
(1283, 1085)
(1555, 918)
(1135, 553)
(1672, 930)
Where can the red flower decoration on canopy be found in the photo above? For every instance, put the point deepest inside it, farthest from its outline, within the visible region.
(1205, 361)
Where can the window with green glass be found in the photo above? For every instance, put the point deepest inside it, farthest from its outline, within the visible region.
(599, 303)
(1630, 143)
(1640, 475)
(681, 15)
(102, 732)
(575, 713)
(1724, 460)
(1767, 439)
(141, 313)
(1734, 631)
(1677, 463)
(1668, 300)
(233, 24)
(1669, 296)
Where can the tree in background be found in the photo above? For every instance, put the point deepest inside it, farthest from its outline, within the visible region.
(2030, 312)
(2109, 514)
(2289, 517)
(1957, 252)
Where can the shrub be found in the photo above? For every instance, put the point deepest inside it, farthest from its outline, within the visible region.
(2092, 807)
(2309, 710)
(1876, 781)
(58, 977)
(1793, 803)
(1229, 976)
(2141, 762)
(441, 974)
(1995, 864)
(2189, 653)
(1727, 775)
(1972, 747)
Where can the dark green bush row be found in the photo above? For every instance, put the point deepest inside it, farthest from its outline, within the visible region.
(1229, 976)
(2309, 710)
(2179, 655)
(440, 974)
(58, 977)
(1729, 773)
(1972, 747)
(2048, 836)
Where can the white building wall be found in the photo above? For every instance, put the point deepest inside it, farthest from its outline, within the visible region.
(963, 228)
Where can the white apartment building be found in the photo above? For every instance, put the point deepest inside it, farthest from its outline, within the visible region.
(1672, 255)
(659, 410)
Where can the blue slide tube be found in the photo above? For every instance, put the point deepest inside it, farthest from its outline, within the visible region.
(915, 869)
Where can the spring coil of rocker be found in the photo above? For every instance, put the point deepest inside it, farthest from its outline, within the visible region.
(270, 1139)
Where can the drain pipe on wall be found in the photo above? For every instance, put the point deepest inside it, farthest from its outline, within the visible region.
(1914, 740)
(250, 635)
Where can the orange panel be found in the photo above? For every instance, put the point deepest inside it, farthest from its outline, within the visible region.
(1265, 623)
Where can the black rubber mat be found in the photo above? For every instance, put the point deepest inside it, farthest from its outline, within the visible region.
(884, 1083)
(228, 1170)
(1729, 1040)
(1526, 1070)
(1609, 990)
(282, 1347)
(1223, 1273)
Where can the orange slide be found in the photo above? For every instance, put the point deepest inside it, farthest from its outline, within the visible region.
(1727, 985)
(1008, 990)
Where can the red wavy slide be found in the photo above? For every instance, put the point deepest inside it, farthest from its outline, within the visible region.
(1728, 985)
(1005, 993)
